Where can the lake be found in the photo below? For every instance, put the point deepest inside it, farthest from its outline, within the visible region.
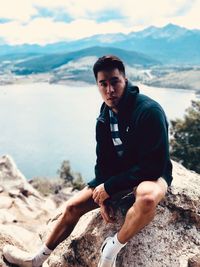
(43, 124)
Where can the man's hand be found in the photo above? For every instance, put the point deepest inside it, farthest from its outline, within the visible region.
(100, 194)
(107, 213)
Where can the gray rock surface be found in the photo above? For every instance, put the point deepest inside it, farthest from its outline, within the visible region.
(171, 239)
(23, 211)
(11, 179)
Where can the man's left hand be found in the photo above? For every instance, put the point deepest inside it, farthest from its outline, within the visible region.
(100, 194)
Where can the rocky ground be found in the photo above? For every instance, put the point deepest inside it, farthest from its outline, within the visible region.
(24, 211)
(172, 239)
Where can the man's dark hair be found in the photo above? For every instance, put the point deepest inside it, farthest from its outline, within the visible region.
(107, 63)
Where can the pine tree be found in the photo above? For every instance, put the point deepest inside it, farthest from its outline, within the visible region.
(185, 142)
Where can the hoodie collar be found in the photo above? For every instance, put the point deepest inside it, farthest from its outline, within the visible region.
(126, 101)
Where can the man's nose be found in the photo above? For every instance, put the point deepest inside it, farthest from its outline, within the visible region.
(110, 88)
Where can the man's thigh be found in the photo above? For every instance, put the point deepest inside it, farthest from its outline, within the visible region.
(157, 189)
(83, 200)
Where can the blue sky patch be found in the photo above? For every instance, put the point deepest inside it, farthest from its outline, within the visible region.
(3, 20)
(107, 15)
(184, 9)
(56, 14)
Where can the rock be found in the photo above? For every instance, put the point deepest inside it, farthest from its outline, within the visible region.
(23, 203)
(28, 238)
(7, 217)
(5, 202)
(194, 261)
(169, 240)
(11, 178)
(184, 195)
(7, 239)
(23, 211)
(14, 193)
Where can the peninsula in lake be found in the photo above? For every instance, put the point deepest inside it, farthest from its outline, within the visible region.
(161, 57)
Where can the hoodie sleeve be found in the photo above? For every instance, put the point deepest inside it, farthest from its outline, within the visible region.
(152, 136)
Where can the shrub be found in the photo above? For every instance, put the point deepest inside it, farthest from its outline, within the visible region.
(185, 142)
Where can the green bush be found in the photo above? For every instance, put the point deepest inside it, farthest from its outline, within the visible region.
(47, 186)
(185, 142)
(78, 182)
(70, 178)
(65, 172)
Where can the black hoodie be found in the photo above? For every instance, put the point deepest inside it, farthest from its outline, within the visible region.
(143, 129)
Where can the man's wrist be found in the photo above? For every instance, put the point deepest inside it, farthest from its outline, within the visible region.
(105, 189)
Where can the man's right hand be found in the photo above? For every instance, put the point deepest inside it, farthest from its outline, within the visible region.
(107, 213)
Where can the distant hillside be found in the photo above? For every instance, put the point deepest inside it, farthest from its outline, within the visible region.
(165, 57)
(45, 63)
(183, 79)
(170, 45)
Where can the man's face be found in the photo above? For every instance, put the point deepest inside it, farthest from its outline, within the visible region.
(111, 86)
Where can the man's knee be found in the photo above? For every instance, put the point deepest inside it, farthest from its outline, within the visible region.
(80, 204)
(73, 210)
(148, 195)
(147, 203)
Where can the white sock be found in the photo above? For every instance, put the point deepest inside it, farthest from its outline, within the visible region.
(41, 256)
(112, 248)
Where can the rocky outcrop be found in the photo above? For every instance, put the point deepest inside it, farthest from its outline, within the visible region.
(23, 210)
(18, 199)
(171, 239)
(13, 181)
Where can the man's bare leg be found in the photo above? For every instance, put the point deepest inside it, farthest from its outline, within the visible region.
(75, 208)
(148, 195)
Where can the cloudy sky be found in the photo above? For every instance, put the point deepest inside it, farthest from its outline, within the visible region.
(48, 21)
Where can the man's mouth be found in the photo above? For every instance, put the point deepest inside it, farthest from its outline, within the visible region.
(111, 98)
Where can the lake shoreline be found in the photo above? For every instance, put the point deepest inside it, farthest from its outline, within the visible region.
(42, 78)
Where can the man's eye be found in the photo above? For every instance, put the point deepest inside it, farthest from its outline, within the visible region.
(113, 83)
(103, 84)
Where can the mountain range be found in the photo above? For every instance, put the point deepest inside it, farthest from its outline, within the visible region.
(163, 57)
(170, 44)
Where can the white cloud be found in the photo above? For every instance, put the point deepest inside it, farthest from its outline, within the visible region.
(44, 31)
(144, 13)
(191, 19)
(20, 10)
(137, 15)
(138, 10)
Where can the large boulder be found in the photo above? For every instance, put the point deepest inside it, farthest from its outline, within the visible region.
(171, 239)
(12, 180)
(19, 198)
(6, 238)
(23, 210)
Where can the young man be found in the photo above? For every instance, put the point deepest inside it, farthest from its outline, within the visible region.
(132, 151)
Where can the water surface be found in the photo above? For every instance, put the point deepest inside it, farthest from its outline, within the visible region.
(42, 125)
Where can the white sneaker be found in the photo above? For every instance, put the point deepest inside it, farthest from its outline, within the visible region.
(17, 256)
(104, 261)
